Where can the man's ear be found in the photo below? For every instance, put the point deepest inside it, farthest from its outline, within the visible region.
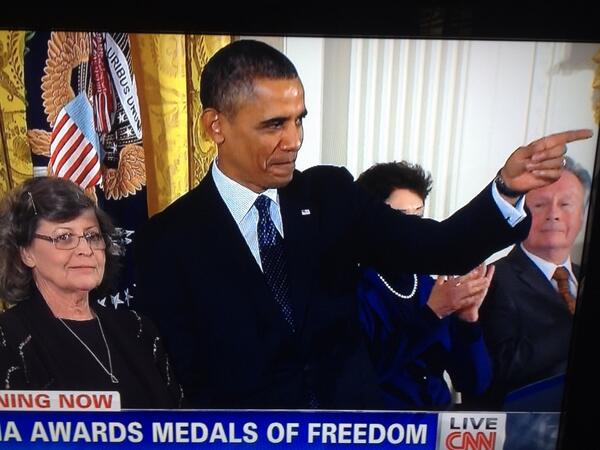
(27, 257)
(211, 122)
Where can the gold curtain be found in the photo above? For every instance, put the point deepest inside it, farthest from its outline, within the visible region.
(167, 68)
(202, 150)
(15, 156)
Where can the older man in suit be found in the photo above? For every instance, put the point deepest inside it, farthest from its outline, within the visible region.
(527, 314)
(251, 276)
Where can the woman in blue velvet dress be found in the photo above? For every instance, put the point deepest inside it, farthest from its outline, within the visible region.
(418, 327)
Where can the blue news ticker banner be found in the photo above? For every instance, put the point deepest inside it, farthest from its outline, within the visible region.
(217, 429)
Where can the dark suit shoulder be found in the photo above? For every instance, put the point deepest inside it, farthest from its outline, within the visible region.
(202, 197)
(322, 183)
(503, 266)
(504, 282)
(514, 260)
(180, 206)
(178, 215)
(324, 174)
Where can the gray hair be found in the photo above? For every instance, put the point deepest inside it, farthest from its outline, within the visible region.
(582, 175)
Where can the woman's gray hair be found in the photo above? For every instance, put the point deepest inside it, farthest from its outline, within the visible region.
(55, 200)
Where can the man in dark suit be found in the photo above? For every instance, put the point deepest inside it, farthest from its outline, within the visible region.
(525, 317)
(251, 276)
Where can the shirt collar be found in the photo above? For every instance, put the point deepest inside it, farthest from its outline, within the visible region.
(238, 198)
(548, 267)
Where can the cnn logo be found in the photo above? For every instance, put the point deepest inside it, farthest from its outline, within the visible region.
(471, 431)
(460, 440)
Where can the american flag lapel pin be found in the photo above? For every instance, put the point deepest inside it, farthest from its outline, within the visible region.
(305, 212)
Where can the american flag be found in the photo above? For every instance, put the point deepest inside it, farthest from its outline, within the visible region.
(72, 154)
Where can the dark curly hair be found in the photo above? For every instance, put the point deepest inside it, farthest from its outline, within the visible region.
(55, 200)
(228, 77)
(384, 178)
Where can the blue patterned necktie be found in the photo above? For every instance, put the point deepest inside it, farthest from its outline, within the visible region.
(273, 260)
(272, 257)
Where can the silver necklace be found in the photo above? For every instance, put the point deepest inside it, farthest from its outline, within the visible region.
(398, 294)
(108, 371)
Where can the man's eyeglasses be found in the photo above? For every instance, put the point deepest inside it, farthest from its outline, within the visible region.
(69, 241)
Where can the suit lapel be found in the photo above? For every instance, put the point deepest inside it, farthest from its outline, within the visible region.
(235, 265)
(529, 273)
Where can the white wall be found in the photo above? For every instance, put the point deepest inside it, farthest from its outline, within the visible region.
(307, 55)
(517, 92)
(458, 108)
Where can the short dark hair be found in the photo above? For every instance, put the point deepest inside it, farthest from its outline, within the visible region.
(383, 178)
(55, 200)
(229, 75)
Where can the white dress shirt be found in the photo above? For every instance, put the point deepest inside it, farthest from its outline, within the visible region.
(512, 214)
(548, 269)
(240, 203)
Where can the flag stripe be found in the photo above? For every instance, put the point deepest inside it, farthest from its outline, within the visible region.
(62, 135)
(88, 173)
(73, 156)
(81, 154)
(69, 153)
(93, 178)
(62, 119)
(80, 167)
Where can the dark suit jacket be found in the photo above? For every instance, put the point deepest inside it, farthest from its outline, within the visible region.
(226, 335)
(526, 327)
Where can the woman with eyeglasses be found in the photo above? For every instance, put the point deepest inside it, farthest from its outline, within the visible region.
(55, 256)
(417, 328)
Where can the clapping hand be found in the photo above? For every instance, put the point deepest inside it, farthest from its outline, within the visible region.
(462, 295)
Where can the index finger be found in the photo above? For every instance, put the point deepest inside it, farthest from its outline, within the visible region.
(563, 137)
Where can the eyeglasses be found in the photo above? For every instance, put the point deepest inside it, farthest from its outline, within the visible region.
(69, 241)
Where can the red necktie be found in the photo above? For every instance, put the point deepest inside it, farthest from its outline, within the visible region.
(561, 275)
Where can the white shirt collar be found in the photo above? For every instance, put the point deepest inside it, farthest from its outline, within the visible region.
(238, 198)
(548, 267)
